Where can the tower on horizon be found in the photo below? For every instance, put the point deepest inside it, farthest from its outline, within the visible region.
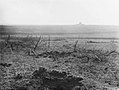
(80, 23)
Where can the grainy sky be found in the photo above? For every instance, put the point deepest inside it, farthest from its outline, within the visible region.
(104, 12)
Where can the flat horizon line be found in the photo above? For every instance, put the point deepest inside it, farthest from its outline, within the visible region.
(58, 25)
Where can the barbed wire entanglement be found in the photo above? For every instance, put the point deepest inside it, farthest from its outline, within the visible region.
(46, 63)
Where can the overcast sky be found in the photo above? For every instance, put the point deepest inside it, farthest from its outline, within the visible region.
(59, 12)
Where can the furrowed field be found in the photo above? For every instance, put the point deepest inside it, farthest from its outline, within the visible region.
(50, 63)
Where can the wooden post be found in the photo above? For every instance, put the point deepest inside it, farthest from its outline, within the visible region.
(75, 45)
(49, 43)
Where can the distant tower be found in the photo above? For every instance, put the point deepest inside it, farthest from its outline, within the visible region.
(80, 23)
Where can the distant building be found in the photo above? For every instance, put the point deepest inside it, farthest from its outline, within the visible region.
(80, 23)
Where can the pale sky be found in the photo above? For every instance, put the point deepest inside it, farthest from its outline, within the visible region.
(59, 12)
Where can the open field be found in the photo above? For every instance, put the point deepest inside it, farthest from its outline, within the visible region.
(50, 63)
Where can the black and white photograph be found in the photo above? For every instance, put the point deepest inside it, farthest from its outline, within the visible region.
(59, 44)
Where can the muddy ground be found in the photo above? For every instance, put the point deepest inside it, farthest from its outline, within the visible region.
(60, 64)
